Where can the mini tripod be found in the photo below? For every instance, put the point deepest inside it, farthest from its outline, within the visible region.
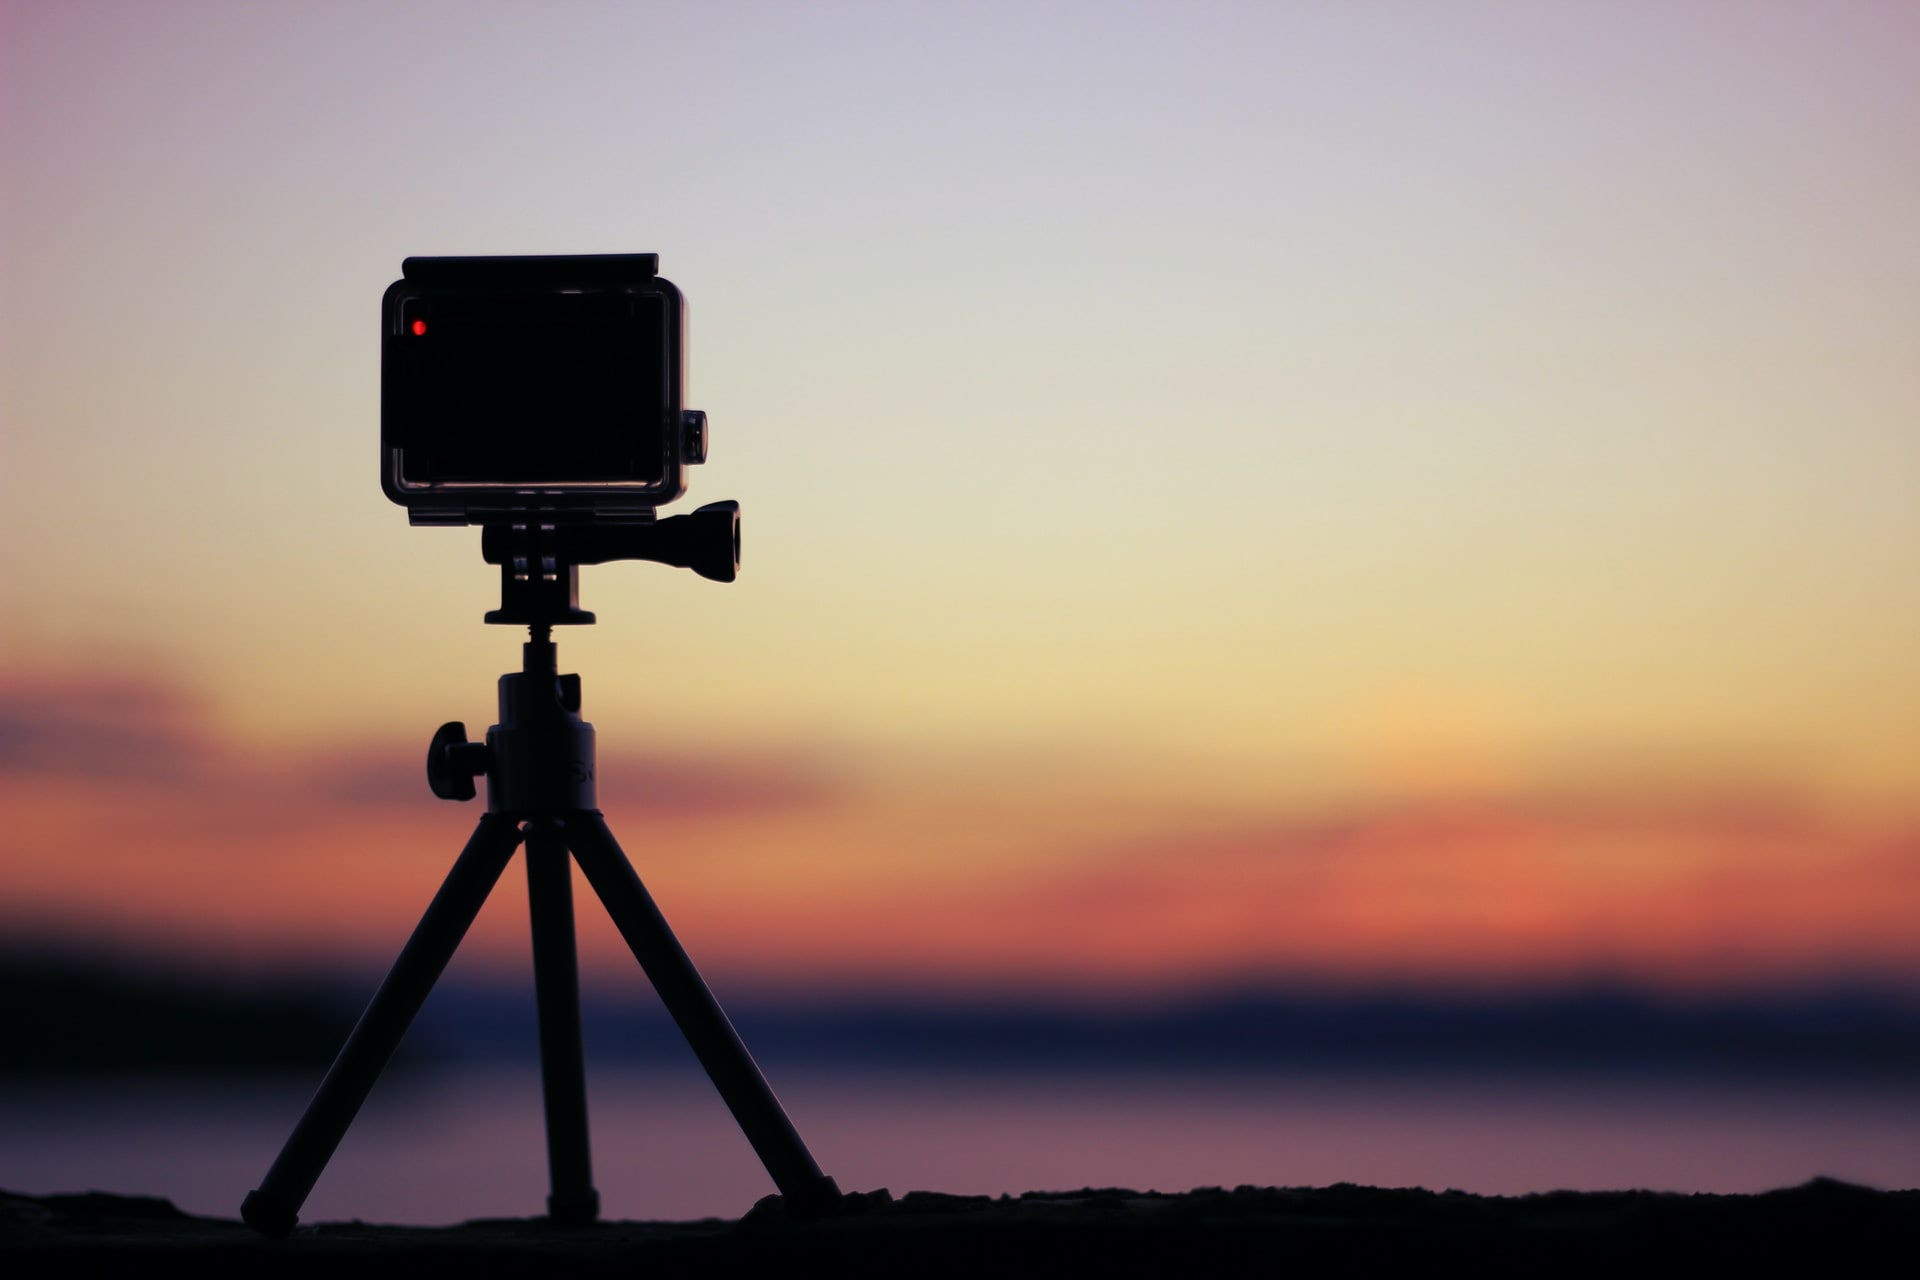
(539, 765)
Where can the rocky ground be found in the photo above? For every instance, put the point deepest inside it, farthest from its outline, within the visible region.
(1340, 1230)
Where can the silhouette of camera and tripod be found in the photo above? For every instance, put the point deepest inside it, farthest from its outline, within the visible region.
(541, 399)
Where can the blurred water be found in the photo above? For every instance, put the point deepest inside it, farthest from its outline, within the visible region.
(469, 1144)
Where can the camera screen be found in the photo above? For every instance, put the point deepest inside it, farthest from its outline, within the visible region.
(532, 387)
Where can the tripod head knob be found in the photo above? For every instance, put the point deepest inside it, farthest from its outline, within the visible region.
(453, 762)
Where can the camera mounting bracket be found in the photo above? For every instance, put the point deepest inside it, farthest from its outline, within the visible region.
(540, 556)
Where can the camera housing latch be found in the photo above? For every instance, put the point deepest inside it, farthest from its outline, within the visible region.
(693, 437)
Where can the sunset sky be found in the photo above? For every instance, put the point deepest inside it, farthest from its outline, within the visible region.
(1362, 491)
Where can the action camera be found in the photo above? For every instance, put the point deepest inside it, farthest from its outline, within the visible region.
(547, 385)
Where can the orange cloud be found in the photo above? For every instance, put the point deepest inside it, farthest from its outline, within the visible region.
(128, 819)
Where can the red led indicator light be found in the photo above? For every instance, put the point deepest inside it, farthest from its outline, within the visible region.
(419, 328)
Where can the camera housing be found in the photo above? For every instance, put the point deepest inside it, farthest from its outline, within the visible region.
(548, 385)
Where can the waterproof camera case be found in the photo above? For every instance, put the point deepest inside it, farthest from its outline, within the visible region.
(549, 385)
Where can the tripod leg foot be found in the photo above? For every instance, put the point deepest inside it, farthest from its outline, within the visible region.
(578, 1209)
(556, 984)
(699, 1016)
(276, 1204)
(268, 1216)
(817, 1200)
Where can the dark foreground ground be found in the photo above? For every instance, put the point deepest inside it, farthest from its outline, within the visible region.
(1340, 1230)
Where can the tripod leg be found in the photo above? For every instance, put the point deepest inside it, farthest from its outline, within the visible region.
(698, 1015)
(275, 1206)
(556, 982)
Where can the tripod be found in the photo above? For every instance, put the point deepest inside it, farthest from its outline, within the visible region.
(539, 765)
